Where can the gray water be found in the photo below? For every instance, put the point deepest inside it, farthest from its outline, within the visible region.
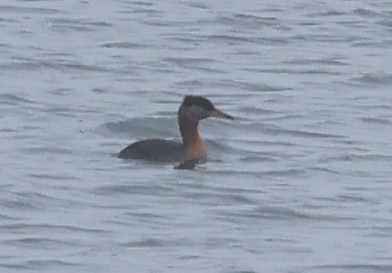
(299, 182)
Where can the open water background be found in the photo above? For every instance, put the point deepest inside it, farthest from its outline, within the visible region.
(299, 182)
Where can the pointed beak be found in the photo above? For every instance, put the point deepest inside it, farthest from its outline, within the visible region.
(219, 114)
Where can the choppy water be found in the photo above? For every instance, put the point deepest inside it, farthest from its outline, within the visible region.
(299, 182)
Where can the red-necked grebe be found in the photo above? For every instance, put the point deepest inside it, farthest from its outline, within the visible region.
(192, 110)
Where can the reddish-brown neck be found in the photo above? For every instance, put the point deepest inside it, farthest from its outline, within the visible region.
(193, 145)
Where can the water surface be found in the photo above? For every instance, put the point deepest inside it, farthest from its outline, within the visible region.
(299, 182)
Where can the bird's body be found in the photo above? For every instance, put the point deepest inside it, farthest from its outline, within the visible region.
(154, 150)
(192, 110)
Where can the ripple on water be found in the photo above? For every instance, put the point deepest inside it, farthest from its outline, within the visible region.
(40, 242)
(249, 86)
(29, 228)
(263, 213)
(34, 64)
(365, 12)
(41, 264)
(141, 128)
(155, 243)
(12, 99)
(83, 25)
(351, 267)
(125, 44)
(301, 133)
(374, 79)
(219, 198)
(48, 150)
(7, 217)
(330, 61)
(377, 121)
(29, 10)
(139, 189)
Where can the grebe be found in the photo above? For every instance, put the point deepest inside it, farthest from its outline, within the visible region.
(192, 110)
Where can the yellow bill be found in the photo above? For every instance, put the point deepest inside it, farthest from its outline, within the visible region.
(219, 114)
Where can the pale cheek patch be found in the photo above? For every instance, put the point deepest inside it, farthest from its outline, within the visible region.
(196, 113)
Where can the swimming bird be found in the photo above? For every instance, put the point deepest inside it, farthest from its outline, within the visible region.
(192, 110)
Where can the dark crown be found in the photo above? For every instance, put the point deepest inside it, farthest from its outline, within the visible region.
(198, 101)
